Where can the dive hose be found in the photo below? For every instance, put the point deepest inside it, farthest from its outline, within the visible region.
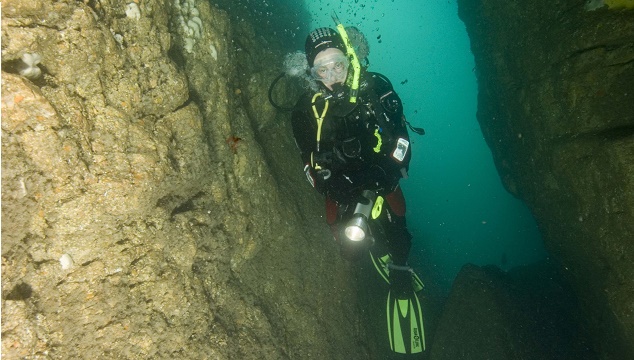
(275, 105)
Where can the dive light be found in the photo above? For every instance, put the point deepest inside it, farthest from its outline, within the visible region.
(357, 228)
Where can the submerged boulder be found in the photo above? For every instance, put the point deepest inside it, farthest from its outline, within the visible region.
(528, 313)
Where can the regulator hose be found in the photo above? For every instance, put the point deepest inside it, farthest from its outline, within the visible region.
(278, 107)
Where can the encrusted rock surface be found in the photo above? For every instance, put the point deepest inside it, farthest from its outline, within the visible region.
(527, 313)
(141, 217)
(556, 106)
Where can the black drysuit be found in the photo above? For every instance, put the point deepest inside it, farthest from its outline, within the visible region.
(362, 146)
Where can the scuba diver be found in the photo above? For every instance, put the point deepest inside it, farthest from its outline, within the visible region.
(353, 140)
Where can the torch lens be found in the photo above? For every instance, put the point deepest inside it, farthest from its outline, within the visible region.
(355, 233)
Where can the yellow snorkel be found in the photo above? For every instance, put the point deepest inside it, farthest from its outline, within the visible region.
(354, 60)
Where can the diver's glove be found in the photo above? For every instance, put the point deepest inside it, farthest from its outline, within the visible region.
(317, 178)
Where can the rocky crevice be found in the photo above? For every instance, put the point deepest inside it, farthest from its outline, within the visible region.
(555, 106)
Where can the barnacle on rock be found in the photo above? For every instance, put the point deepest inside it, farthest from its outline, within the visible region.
(31, 70)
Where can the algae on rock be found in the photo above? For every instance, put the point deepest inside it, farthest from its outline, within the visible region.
(131, 228)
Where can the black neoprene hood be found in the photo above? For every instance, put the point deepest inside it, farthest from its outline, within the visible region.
(322, 39)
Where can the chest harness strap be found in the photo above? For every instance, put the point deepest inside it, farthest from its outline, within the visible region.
(319, 118)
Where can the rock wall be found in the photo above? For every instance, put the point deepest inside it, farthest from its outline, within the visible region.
(152, 205)
(526, 313)
(556, 89)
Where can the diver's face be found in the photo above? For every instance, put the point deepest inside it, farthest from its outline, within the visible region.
(330, 67)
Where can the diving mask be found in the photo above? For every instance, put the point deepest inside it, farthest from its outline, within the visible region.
(331, 69)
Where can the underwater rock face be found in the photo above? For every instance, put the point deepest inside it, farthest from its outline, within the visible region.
(556, 106)
(140, 216)
(527, 313)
